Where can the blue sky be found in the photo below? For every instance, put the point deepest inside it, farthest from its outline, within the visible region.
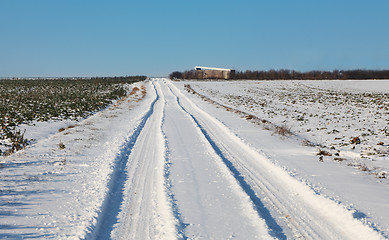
(154, 38)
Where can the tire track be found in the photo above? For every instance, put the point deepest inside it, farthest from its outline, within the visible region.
(111, 205)
(275, 229)
(180, 225)
(146, 211)
(201, 180)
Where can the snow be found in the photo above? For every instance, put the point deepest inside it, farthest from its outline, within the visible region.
(328, 113)
(60, 192)
(204, 189)
(358, 191)
(173, 166)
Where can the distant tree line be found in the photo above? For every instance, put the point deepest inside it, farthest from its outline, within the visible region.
(286, 74)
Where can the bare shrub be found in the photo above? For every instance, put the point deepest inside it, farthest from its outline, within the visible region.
(283, 130)
(61, 146)
(355, 140)
(324, 153)
(381, 174)
(363, 167)
(134, 90)
(68, 127)
(308, 143)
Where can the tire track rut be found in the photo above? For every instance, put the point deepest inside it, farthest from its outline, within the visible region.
(112, 205)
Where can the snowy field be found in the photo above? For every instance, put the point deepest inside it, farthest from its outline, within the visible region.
(173, 164)
(347, 119)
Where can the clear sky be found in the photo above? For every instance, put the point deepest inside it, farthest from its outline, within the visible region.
(154, 38)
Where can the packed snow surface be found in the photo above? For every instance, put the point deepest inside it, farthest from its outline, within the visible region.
(169, 165)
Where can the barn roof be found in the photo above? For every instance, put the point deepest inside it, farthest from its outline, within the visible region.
(211, 68)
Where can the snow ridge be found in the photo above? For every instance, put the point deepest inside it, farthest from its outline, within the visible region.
(180, 225)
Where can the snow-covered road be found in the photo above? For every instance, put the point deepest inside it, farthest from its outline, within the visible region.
(181, 173)
(188, 176)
